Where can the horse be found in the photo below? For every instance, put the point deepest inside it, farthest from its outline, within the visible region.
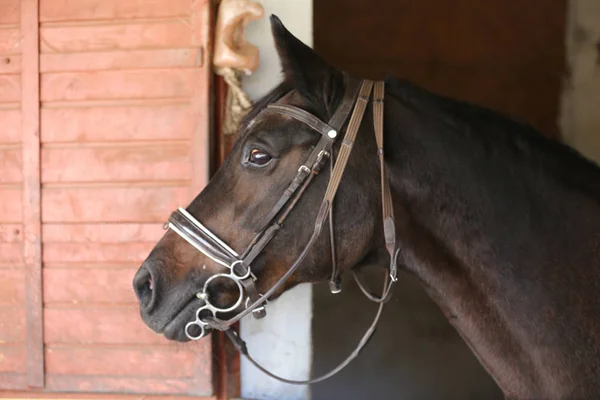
(499, 224)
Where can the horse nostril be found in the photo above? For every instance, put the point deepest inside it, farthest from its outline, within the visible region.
(144, 285)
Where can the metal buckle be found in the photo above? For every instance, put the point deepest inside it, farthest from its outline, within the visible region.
(335, 286)
(304, 168)
(322, 154)
(319, 163)
(394, 266)
(260, 311)
(262, 307)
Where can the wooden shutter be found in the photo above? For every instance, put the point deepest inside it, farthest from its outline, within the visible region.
(123, 91)
(12, 265)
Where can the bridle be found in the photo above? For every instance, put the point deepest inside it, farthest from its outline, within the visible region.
(355, 100)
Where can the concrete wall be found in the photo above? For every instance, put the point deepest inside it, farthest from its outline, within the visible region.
(580, 118)
(282, 340)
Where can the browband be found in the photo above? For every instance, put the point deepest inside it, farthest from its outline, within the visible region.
(322, 151)
(305, 117)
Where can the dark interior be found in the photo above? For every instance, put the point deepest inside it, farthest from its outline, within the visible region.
(506, 55)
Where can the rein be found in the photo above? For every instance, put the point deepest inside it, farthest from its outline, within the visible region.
(185, 225)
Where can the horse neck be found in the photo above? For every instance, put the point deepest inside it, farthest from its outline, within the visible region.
(478, 229)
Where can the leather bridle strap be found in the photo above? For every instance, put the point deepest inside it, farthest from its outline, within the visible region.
(388, 218)
(240, 345)
(321, 152)
(389, 226)
(305, 117)
(334, 181)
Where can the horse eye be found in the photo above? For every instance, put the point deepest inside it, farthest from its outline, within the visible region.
(259, 157)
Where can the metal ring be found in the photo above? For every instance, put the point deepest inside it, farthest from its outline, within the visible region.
(192, 337)
(232, 267)
(240, 288)
(204, 307)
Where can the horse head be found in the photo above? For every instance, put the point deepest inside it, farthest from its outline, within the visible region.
(262, 190)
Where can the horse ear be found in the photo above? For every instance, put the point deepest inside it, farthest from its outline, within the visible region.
(302, 66)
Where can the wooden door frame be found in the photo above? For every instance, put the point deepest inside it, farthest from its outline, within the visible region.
(226, 358)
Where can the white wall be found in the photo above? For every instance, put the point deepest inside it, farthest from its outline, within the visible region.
(580, 119)
(282, 340)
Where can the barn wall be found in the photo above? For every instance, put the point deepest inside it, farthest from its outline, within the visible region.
(121, 104)
(103, 132)
(12, 263)
(580, 118)
(507, 55)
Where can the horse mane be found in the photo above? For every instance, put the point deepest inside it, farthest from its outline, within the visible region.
(505, 135)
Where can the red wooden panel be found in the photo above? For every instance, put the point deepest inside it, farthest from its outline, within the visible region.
(12, 325)
(98, 396)
(32, 252)
(163, 362)
(98, 325)
(12, 358)
(131, 82)
(10, 40)
(11, 253)
(103, 204)
(12, 282)
(13, 381)
(10, 64)
(134, 59)
(11, 126)
(154, 162)
(10, 88)
(104, 233)
(102, 85)
(96, 252)
(99, 124)
(10, 165)
(10, 206)
(152, 386)
(90, 286)
(11, 12)
(11, 233)
(175, 33)
(69, 10)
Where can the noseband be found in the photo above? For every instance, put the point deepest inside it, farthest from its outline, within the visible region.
(356, 97)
